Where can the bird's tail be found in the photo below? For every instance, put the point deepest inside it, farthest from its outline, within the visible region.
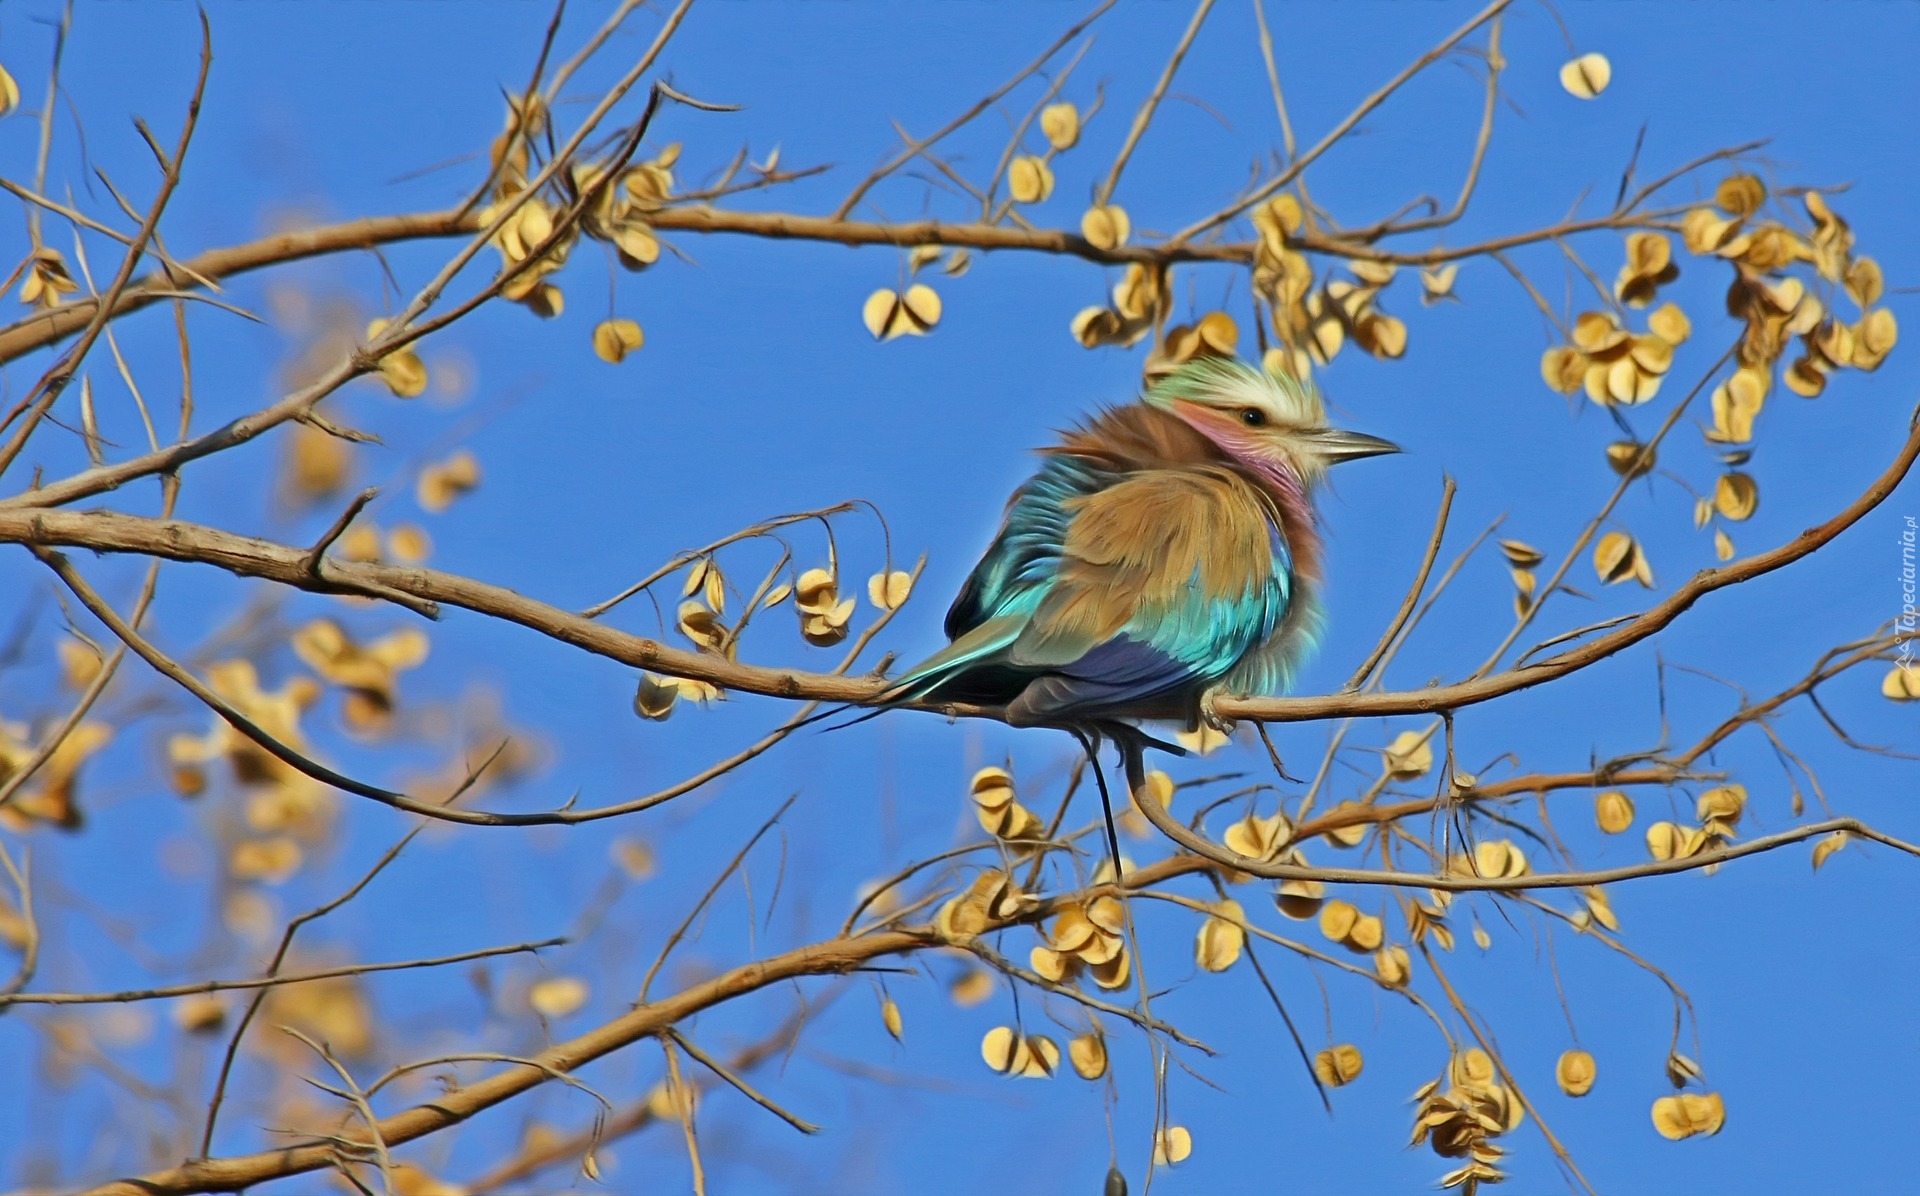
(970, 650)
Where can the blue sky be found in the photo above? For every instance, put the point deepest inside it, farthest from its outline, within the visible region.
(759, 392)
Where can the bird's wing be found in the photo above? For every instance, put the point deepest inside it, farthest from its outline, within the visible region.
(1022, 559)
(1164, 582)
(980, 645)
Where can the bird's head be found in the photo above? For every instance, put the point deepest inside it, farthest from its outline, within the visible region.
(1262, 420)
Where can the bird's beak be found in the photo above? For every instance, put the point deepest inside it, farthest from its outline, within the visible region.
(1335, 445)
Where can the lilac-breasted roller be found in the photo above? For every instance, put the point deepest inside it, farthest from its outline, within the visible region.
(1166, 553)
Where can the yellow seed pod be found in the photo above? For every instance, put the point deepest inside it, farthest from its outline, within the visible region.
(271, 861)
(655, 697)
(992, 788)
(1106, 226)
(1723, 802)
(1614, 811)
(889, 314)
(1586, 76)
(1575, 1073)
(1338, 1066)
(1300, 899)
(79, 664)
(1740, 195)
(1221, 938)
(1474, 1068)
(999, 1048)
(1172, 1145)
(1500, 858)
(1393, 965)
(1031, 1056)
(1088, 1053)
(408, 544)
(1114, 974)
(1562, 367)
(1631, 460)
(202, 1013)
(1367, 933)
(889, 591)
(1901, 685)
(1873, 338)
(1108, 913)
(1827, 846)
(1670, 324)
(1436, 283)
(1061, 124)
(1664, 840)
(1686, 1114)
(1410, 755)
(971, 987)
(614, 339)
(1864, 282)
(1029, 179)
(1613, 557)
(1521, 555)
(558, 996)
(440, 484)
(1736, 495)
(1337, 919)
(1599, 908)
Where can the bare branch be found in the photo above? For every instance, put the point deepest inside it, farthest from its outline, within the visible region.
(745, 1089)
(640, 1114)
(1141, 119)
(55, 380)
(1399, 621)
(915, 148)
(1336, 134)
(218, 986)
(244, 556)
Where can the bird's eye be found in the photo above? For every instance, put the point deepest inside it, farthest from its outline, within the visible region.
(1253, 417)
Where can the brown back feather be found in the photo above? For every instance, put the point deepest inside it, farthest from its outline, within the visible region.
(1139, 437)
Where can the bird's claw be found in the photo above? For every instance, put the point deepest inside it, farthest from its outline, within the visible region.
(1210, 716)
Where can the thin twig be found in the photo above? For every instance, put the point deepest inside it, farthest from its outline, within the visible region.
(1338, 133)
(914, 148)
(733, 865)
(337, 529)
(682, 1099)
(195, 988)
(745, 1089)
(62, 371)
(1365, 671)
(1144, 117)
(641, 1113)
(287, 936)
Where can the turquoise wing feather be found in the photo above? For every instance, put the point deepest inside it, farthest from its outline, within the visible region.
(1105, 592)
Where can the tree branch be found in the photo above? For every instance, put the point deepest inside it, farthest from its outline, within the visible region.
(834, 957)
(246, 556)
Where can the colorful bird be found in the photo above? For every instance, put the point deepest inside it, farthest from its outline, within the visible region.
(1165, 554)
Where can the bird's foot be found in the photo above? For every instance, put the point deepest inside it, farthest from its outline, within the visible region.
(1126, 735)
(1210, 715)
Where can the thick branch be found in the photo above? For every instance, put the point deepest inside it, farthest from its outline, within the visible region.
(41, 330)
(46, 328)
(1468, 882)
(456, 1106)
(245, 556)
